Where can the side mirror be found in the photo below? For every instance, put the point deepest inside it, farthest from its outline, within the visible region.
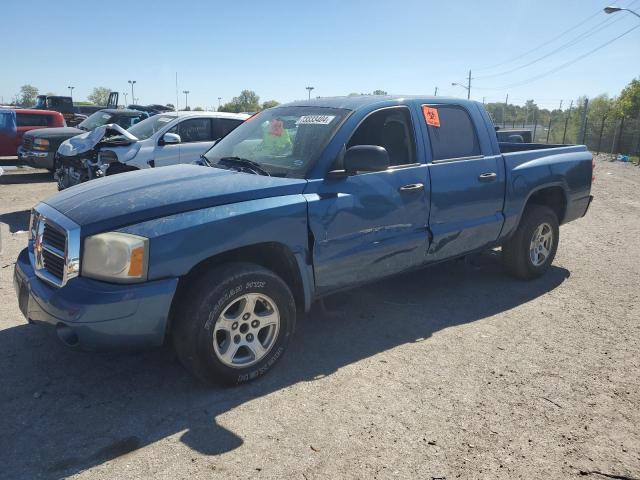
(170, 139)
(365, 158)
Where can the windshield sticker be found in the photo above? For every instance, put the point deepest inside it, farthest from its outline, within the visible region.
(431, 116)
(315, 120)
(164, 119)
(106, 116)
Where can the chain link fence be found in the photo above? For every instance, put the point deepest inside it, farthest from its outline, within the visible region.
(604, 132)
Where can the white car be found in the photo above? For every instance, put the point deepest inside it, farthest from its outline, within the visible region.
(162, 140)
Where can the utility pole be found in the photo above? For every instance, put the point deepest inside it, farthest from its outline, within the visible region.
(435, 93)
(186, 103)
(309, 90)
(566, 122)
(133, 97)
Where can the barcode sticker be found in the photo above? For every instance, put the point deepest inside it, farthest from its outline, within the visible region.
(315, 120)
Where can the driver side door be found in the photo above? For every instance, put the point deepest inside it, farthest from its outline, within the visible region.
(372, 224)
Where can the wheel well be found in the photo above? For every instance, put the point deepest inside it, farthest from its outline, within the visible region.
(552, 197)
(274, 256)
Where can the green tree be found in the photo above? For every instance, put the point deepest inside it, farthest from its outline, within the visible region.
(628, 103)
(247, 101)
(100, 95)
(270, 104)
(378, 92)
(28, 94)
(198, 109)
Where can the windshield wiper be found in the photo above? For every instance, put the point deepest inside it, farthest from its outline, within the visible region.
(245, 165)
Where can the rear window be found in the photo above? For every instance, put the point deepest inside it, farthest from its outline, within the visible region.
(455, 137)
(32, 120)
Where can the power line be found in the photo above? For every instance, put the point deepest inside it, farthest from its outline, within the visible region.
(551, 40)
(560, 67)
(583, 36)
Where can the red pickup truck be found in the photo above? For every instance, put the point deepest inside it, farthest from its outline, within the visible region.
(15, 122)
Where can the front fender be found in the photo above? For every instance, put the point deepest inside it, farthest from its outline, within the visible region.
(181, 241)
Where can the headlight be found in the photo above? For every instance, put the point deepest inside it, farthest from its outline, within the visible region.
(115, 257)
(41, 144)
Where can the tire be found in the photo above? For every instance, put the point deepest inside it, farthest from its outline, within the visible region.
(216, 315)
(517, 254)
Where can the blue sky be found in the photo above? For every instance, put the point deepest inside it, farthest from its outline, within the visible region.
(278, 48)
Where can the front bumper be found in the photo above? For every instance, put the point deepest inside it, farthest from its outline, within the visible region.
(95, 315)
(36, 159)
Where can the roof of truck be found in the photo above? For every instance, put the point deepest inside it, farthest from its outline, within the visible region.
(359, 101)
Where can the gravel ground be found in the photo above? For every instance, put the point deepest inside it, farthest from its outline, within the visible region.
(456, 371)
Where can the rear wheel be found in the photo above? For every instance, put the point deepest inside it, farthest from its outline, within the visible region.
(531, 250)
(234, 323)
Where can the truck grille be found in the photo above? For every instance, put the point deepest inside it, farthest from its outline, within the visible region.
(27, 142)
(53, 237)
(55, 246)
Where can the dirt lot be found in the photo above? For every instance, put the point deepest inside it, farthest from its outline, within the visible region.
(457, 371)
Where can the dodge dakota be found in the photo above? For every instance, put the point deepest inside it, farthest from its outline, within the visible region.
(300, 201)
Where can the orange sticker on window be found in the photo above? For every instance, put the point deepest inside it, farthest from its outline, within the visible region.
(431, 116)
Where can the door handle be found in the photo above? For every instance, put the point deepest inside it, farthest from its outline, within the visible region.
(412, 187)
(487, 177)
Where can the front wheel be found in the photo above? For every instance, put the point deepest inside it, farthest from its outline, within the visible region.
(234, 323)
(531, 250)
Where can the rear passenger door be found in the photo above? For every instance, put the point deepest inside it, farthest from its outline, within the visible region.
(467, 181)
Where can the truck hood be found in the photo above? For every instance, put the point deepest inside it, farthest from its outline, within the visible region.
(129, 198)
(110, 133)
(54, 133)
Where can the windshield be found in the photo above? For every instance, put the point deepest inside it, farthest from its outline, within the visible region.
(284, 141)
(151, 125)
(95, 120)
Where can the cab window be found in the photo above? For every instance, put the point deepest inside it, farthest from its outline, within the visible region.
(456, 136)
(194, 130)
(392, 129)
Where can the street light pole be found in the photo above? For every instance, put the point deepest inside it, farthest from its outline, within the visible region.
(133, 97)
(435, 93)
(219, 101)
(125, 98)
(309, 90)
(467, 87)
(71, 91)
(612, 9)
(186, 103)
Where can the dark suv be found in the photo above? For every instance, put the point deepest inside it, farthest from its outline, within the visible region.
(39, 146)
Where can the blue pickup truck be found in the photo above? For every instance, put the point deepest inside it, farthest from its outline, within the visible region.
(300, 201)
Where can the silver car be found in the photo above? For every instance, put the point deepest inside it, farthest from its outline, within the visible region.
(159, 141)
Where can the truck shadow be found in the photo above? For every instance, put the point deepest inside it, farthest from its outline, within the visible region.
(16, 220)
(64, 411)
